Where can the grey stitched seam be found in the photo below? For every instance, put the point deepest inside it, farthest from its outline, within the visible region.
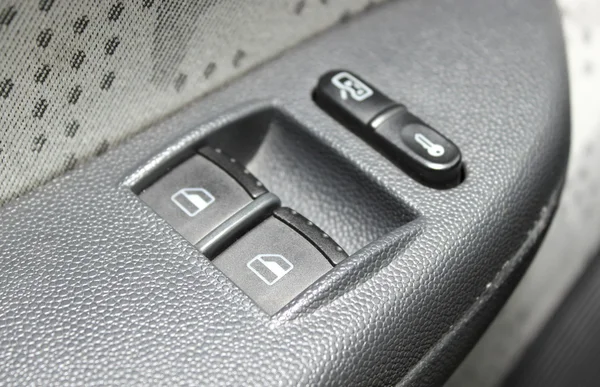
(534, 233)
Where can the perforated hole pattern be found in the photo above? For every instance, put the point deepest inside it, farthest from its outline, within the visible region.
(77, 77)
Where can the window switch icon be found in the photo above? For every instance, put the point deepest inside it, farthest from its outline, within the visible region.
(192, 200)
(273, 264)
(270, 268)
(196, 197)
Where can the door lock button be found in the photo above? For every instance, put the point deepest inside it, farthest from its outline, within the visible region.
(422, 150)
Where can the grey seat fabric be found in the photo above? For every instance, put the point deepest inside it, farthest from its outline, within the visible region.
(77, 77)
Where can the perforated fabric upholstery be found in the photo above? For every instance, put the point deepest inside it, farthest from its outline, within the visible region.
(77, 77)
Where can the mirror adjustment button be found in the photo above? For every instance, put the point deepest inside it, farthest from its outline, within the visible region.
(420, 149)
(196, 197)
(272, 263)
(350, 99)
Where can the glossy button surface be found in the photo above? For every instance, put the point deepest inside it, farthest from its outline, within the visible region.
(421, 149)
(196, 197)
(272, 264)
(350, 99)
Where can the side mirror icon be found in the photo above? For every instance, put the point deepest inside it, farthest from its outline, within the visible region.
(350, 86)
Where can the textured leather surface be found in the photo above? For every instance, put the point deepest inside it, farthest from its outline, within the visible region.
(573, 238)
(96, 289)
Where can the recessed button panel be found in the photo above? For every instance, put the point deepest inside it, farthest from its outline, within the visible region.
(272, 263)
(196, 197)
(272, 253)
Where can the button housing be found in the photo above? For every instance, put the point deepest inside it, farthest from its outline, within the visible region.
(230, 165)
(414, 146)
(234, 227)
(323, 242)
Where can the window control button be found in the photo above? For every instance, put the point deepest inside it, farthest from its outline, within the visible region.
(273, 264)
(350, 99)
(196, 197)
